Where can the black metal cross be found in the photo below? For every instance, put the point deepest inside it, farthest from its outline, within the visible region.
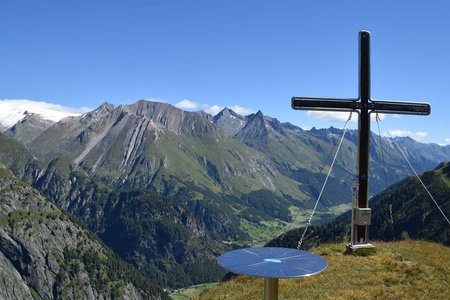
(364, 106)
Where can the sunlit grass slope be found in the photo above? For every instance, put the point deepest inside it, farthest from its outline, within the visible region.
(399, 270)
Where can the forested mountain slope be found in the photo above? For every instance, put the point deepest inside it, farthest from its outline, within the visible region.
(403, 211)
(45, 255)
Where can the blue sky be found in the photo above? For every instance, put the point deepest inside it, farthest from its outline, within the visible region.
(252, 54)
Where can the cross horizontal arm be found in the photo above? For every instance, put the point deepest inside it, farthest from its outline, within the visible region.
(407, 108)
(328, 104)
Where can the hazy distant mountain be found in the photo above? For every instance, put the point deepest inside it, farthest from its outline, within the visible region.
(45, 255)
(29, 128)
(306, 155)
(2, 128)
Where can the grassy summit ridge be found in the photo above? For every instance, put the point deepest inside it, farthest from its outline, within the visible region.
(399, 270)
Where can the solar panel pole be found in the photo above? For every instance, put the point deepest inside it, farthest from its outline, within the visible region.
(270, 288)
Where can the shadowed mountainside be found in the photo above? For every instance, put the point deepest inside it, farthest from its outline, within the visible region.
(44, 254)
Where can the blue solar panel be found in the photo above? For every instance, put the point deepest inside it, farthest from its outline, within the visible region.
(272, 262)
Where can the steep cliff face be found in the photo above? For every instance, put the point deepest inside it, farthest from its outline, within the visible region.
(45, 255)
(29, 128)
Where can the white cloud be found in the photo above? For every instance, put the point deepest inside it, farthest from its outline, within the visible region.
(418, 135)
(11, 110)
(241, 110)
(330, 116)
(213, 110)
(187, 104)
(338, 115)
(151, 99)
(447, 141)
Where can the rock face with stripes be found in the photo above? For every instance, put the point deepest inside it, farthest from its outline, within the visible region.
(136, 145)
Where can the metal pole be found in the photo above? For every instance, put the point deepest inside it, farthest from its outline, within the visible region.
(364, 129)
(270, 288)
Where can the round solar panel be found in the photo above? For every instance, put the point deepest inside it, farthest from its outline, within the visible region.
(272, 262)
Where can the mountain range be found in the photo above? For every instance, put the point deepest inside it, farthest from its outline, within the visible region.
(168, 190)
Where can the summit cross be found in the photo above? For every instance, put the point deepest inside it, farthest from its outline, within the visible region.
(364, 106)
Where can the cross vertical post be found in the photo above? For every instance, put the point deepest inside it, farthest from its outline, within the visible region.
(364, 132)
(364, 106)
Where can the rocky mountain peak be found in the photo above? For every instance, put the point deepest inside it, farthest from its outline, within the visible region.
(105, 106)
(291, 127)
(227, 112)
(161, 114)
(146, 108)
(28, 128)
(103, 110)
(255, 131)
(36, 118)
(205, 115)
(229, 121)
(269, 123)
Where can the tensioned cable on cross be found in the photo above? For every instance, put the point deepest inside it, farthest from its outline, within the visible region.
(324, 183)
(377, 117)
(417, 175)
(321, 170)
